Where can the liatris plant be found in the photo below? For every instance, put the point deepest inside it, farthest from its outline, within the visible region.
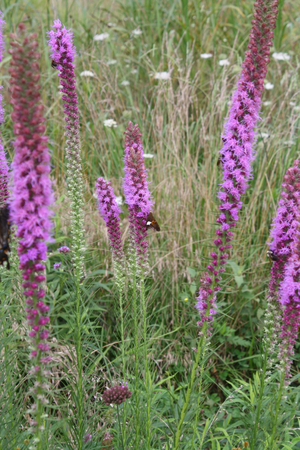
(3, 161)
(283, 232)
(110, 212)
(116, 396)
(236, 157)
(29, 207)
(237, 152)
(63, 53)
(139, 201)
(137, 196)
(284, 286)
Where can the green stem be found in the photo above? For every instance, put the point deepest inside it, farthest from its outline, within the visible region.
(262, 386)
(120, 428)
(146, 363)
(278, 402)
(79, 362)
(122, 332)
(190, 386)
(199, 392)
(137, 413)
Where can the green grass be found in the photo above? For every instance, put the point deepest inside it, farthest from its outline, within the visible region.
(181, 121)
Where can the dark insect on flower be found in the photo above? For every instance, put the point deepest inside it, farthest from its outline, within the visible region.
(54, 64)
(272, 257)
(4, 236)
(151, 222)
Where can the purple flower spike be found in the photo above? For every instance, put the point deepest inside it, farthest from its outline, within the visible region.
(31, 197)
(63, 53)
(284, 286)
(289, 295)
(238, 140)
(3, 161)
(110, 212)
(137, 194)
(285, 225)
(2, 25)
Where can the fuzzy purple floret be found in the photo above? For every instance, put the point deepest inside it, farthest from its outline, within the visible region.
(237, 152)
(61, 43)
(110, 212)
(32, 194)
(136, 191)
(64, 249)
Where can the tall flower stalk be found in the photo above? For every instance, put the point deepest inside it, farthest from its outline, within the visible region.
(63, 53)
(236, 156)
(29, 208)
(3, 160)
(139, 201)
(284, 286)
(110, 212)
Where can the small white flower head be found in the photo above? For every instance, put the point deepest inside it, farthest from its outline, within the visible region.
(267, 103)
(292, 103)
(111, 24)
(289, 142)
(269, 86)
(224, 62)
(281, 56)
(119, 200)
(205, 55)
(101, 37)
(111, 62)
(125, 83)
(87, 73)
(134, 71)
(137, 32)
(162, 76)
(265, 136)
(110, 123)
(148, 155)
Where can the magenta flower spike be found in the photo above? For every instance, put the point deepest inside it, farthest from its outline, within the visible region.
(137, 194)
(30, 202)
(284, 285)
(110, 212)
(3, 160)
(284, 231)
(237, 152)
(63, 53)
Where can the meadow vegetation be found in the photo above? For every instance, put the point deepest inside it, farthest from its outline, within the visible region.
(181, 119)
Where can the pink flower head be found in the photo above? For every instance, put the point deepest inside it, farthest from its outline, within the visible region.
(239, 137)
(137, 194)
